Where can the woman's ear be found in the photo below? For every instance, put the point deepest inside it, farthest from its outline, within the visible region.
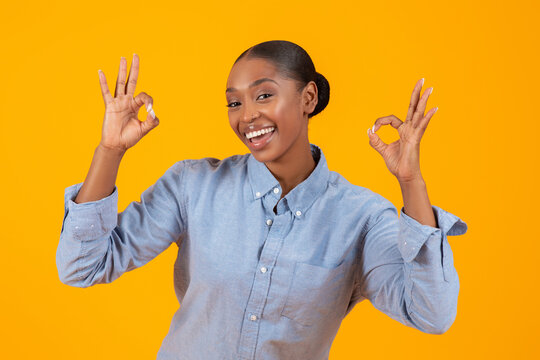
(310, 97)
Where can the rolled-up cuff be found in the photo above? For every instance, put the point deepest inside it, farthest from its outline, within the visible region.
(92, 219)
(413, 235)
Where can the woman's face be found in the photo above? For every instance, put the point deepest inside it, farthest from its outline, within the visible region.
(255, 105)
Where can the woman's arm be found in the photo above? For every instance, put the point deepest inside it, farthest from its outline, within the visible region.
(406, 267)
(97, 244)
(120, 131)
(101, 177)
(416, 202)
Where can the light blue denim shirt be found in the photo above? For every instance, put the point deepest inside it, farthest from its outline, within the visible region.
(257, 284)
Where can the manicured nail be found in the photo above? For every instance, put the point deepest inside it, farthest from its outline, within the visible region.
(422, 83)
(368, 132)
(149, 107)
(373, 128)
(437, 108)
(431, 90)
(151, 112)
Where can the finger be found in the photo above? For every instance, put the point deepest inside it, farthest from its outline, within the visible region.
(414, 99)
(425, 121)
(385, 120)
(133, 74)
(376, 142)
(421, 108)
(107, 97)
(145, 99)
(149, 124)
(120, 88)
(151, 119)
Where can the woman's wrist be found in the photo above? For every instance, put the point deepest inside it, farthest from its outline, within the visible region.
(110, 151)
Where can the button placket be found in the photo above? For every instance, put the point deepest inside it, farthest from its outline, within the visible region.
(260, 288)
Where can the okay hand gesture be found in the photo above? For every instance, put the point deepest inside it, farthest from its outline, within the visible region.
(402, 157)
(121, 127)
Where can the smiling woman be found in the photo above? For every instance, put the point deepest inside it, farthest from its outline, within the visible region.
(272, 91)
(274, 249)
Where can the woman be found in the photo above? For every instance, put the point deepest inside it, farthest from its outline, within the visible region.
(274, 249)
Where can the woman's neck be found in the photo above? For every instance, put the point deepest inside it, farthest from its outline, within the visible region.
(293, 167)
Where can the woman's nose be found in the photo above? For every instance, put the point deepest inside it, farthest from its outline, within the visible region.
(249, 113)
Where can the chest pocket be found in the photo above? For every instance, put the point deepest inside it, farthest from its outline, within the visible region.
(317, 292)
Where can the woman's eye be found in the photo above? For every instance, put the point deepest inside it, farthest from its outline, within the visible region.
(265, 94)
(231, 105)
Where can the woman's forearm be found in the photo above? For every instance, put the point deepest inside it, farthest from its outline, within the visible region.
(416, 202)
(101, 177)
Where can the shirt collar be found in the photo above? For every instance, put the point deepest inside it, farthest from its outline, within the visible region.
(303, 195)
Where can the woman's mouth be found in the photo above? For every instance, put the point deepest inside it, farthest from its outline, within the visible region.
(261, 137)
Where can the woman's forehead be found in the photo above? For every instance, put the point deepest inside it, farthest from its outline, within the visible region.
(244, 72)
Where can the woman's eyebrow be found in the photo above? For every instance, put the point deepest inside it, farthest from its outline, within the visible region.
(255, 83)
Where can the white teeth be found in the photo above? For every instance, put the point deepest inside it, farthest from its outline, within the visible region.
(260, 132)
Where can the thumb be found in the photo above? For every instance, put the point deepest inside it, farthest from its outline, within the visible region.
(376, 142)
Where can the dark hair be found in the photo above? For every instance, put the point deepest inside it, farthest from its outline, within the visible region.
(293, 62)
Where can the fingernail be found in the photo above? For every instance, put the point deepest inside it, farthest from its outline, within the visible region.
(151, 112)
(422, 83)
(149, 107)
(368, 132)
(437, 108)
(373, 128)
(430, 91)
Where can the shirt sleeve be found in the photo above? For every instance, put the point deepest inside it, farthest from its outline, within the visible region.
(98, 244)
(407, 268)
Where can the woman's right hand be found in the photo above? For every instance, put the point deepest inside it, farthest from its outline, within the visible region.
(121, 127)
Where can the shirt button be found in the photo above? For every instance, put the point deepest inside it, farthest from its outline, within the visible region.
(253, 317)
(269, 222)
(263, 269)
(276, 190)
(92, 225)
(298, 212)
(258, 194)
(76, 227)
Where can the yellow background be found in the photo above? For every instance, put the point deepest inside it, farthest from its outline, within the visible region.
(479, 154)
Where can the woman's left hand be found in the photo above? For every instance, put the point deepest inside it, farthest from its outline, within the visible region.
(402, 157)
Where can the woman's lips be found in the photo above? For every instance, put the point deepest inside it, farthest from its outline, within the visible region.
(259, 142)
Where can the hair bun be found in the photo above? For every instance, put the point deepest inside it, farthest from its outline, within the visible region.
(323, 89)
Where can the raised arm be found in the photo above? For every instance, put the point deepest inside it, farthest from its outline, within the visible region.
(96, 243)
(407, 265)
